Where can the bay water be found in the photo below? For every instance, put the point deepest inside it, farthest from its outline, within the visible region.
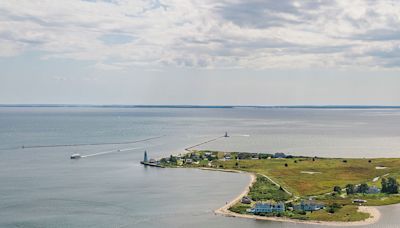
(42, 187)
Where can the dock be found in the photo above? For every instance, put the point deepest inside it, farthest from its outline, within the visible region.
(151, 164)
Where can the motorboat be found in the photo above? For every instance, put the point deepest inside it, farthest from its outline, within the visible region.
(75, 156)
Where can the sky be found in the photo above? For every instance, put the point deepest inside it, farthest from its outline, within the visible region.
(200, 52)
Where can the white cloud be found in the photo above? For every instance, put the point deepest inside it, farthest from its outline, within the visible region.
(206, 34)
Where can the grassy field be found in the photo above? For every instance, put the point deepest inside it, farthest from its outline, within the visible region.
(264, 190)
(327, 172)
(344, 214)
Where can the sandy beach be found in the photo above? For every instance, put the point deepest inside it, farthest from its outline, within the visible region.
(224, 210)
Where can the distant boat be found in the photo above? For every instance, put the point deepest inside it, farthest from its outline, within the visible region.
(76, 156)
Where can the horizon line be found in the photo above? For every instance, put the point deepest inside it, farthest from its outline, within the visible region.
(199, 106)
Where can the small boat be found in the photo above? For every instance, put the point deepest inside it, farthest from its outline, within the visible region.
(76, 156)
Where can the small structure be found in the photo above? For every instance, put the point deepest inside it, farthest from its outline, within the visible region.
(268, 207)
(150, 162)
(227, 156)
(188, 161)
(226, 134)
(359, 201)
(308, 205)
(279, 155)
(245, 200)
(208, 154)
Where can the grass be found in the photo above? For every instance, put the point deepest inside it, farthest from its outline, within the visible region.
(240, 208)
(344, 214)
(331, 172)
(263, 190)
(372, 199)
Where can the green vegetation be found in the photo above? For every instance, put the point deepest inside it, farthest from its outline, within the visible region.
(339, 184)
(326, 172)
(264, 190)
(344, 214)
(240, 208)
(390, 186)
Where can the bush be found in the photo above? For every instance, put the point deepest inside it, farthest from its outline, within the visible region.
(333, 208)
(337, 189)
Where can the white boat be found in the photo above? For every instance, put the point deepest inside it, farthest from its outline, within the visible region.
(76, 156)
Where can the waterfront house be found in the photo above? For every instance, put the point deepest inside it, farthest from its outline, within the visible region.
(188, 161)
(308, 205)
(245, 200)
(268, 207)
(227, 156)
(152, 161)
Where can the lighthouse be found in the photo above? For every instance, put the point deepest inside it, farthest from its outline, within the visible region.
(145, 157)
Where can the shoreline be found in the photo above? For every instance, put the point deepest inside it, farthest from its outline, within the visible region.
(224, 210)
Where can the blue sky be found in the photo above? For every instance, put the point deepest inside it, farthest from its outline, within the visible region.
(229, 52)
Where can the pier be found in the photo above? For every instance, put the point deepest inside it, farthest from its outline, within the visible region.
(208, 141)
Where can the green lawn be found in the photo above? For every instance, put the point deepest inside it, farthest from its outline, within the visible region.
(344, 214)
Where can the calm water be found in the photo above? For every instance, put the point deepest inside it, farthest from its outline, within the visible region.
(42, 187)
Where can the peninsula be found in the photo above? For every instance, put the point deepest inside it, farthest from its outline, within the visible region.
(332, 191)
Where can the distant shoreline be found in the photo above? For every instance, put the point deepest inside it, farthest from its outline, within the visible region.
(202, 106)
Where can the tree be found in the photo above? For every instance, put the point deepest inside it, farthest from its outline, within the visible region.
(286, 165)
(337, 189)
(393, 186)
(333, 208)
(384, 185)
(363, 188)
(350, 189)
(390, 186)
(172, 159)
(237, 164)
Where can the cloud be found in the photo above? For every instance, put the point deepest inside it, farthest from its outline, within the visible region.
(206, 34)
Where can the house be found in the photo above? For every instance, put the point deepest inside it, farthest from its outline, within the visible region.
(227, 156)
(188, 161)
(254, 156)
(268, 207)
(245, 200)
(373, 190)
(308, 205)
(152, 161)
(279, 155)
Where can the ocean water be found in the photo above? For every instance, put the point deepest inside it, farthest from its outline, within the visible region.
(42, 187)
